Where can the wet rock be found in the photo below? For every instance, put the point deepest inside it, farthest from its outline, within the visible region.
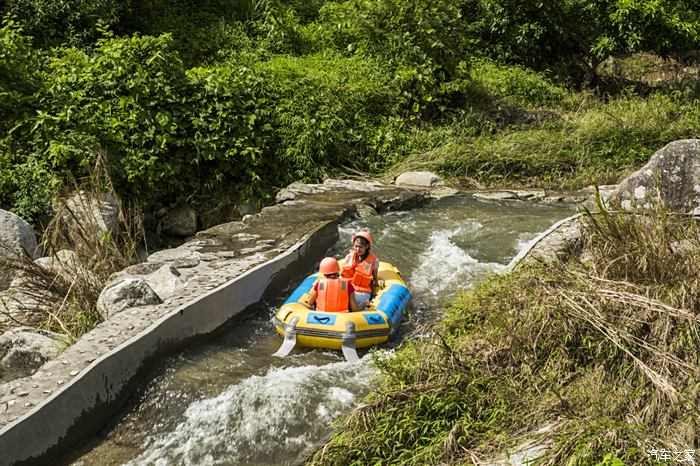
(364, 210)
(672, 174)
(16, 237)
(181, 221)
(496, 195)
(531, 194)
(23, 350)
(121, 295)
(419, 180)
(439, 193)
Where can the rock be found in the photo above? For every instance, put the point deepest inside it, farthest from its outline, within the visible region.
(442, 191)
(673, 174)
(558, 242)
(121, 295)
(175, 254)
(364, 210)
(531, 194)
(165, 281)
(247, 208)
(354, 185)
(419, 180)
(23, 350)
(87, 213)
(496, 195)
(64, 259)
(143, 268)
(16, 236)
(291, 192)
(181, 221)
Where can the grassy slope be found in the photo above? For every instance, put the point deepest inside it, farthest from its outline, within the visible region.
(600, 354)
(525, 130)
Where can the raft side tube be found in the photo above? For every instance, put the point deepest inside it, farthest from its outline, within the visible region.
(304, 288)
(393, 301)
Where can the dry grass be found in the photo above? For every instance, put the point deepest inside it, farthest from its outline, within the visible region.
(61, 294)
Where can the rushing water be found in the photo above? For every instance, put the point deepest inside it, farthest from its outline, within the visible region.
(228, 402)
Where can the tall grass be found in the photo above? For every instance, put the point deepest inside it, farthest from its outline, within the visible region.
(593, 360)
(537, 135)
(61, 294)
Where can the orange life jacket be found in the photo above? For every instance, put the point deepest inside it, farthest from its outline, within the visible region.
(360, 273)
(333, 295)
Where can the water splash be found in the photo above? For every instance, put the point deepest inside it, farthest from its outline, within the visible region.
(444, 266)
(261, 419)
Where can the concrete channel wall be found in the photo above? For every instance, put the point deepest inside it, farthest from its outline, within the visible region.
(83, 405)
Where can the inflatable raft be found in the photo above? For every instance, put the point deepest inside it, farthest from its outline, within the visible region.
(302, 326)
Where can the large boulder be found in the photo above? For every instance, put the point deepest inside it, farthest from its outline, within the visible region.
(673, 173)
(90, 213)
(125, 294)
(16, 236)
(180, 221)
(23, 350)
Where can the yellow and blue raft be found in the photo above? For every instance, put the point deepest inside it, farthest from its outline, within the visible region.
(300, 325)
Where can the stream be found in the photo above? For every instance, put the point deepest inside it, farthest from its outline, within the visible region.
(226, 401)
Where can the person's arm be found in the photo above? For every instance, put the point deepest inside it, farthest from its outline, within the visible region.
(312, 297)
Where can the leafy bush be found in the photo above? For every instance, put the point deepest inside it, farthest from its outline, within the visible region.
(19, 79)
(52, 22)
(331, 113)
(516, 85)
(574, 36)
(426, 43)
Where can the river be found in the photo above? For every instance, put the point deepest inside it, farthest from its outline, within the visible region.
(228, 402)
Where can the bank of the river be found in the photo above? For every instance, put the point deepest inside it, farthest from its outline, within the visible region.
(588, 360)
(224, 270)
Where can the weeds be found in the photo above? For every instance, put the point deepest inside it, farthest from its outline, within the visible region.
(589, 361)
(60, 292)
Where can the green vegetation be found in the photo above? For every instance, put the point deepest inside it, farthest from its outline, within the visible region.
(211, 102)
(594, 358)
(194, 100)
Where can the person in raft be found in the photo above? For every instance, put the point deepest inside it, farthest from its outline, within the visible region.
(333, 293)
(361, 266)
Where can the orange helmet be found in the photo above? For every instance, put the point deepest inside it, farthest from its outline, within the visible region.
(329, 266)
(362, 234)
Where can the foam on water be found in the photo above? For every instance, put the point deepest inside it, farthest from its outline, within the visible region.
(253, 421)
(445, 266)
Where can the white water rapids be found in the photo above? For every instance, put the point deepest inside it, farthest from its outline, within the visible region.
(228, 402)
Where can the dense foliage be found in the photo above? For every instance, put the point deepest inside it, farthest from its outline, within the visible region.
(190, 100)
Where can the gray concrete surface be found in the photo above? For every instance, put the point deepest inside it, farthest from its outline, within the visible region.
(69, 398)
